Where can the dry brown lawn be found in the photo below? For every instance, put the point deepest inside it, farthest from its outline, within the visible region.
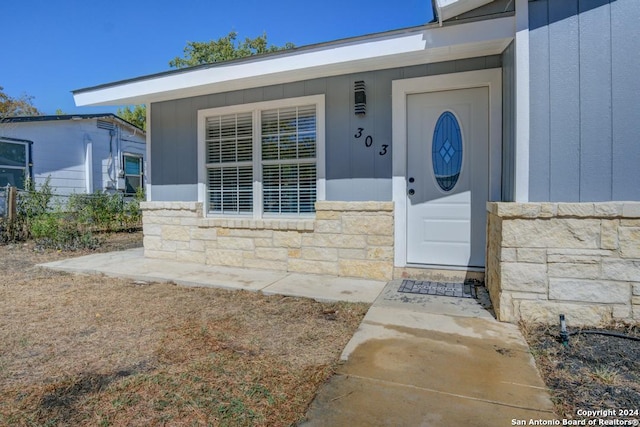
(592, 372)
(89, 350)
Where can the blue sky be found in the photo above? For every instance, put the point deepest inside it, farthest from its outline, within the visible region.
(54, 47)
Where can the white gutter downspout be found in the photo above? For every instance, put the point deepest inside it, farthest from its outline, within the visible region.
(521, 187)
(147, 161)
(88, 164)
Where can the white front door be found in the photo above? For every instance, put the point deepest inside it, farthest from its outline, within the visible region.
(447, 177)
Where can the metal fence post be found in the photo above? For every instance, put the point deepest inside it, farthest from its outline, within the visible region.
(11, 203)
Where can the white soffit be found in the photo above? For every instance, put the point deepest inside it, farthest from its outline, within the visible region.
(417, 46)
(447, 9)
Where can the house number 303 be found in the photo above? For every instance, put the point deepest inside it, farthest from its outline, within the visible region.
(368, 141)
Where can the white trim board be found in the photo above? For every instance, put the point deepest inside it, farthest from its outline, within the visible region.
(147, 161)
(424, 45)
(400, 89)
(521, 191)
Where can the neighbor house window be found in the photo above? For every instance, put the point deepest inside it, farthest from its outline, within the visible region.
(262, 159)
(14, 162)
(133, 179)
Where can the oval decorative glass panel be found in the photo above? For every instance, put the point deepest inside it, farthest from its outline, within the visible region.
(446, 151)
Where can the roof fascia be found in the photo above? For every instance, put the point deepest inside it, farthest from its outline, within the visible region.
(8, 139)
(72, 117)
(421, 45)
(447, 9)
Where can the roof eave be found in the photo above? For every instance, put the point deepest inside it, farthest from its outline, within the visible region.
(422, 45)
(65, 117)
(447, 9)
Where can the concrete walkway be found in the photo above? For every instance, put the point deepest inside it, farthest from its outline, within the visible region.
(415, 360)
(421, 360)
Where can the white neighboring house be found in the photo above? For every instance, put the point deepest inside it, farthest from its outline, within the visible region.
(81, 153)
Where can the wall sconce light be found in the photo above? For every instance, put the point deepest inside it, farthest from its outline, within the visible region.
(360, 98)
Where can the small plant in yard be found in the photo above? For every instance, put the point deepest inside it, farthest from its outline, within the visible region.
(605, 374)
(36, 201)
(55, 230)
(106, 211)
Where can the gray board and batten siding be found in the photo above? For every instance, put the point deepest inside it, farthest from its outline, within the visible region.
(584, 100)
(354, 172)
(508, 123)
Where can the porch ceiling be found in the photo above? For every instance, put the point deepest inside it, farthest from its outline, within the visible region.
(421, 45)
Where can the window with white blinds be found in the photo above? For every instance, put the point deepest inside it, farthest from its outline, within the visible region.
(289, 160)
(229, 158)
(262, 159)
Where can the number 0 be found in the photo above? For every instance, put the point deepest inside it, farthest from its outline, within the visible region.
(368, 141)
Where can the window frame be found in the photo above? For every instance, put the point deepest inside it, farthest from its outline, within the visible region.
(256, 109)
(140, 159)
(26, 169)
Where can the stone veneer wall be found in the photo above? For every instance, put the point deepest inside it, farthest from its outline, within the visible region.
(580, 259)
(353, 239)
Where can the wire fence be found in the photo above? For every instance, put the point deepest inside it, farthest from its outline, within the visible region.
(108, 211)
(3, 201)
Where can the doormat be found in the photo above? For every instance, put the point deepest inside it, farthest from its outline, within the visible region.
(460, 290)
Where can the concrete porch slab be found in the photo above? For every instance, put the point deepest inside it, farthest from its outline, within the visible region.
(465, 307)
(326, 288)
(133, 264)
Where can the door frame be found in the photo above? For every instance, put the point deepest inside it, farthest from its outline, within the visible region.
(492, 79)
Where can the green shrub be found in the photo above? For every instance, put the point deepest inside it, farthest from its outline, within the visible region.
(54, 230)
(34, 202)
(100, 210)
(106, 211)
(71, 225)
(30, 203)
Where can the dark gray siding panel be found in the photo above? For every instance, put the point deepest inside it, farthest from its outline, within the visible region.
(539, 146)
(273, 92)
(361, 158)
(508, 123)
(254, 95)
(185, 132)
(316, 87)
(564, 117)
(353, 171)
(233, 98)
(338, 130)
(383, 125)
(625, 82)
(293, 90)
(160, 146)
(595, 101)
(585, 118)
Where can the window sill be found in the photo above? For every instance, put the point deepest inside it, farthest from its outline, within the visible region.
(305, 224)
